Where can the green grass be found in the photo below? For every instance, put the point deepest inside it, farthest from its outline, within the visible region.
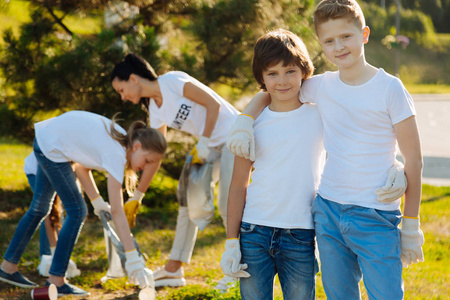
(12, 155)
(427, 88)
(155, 231)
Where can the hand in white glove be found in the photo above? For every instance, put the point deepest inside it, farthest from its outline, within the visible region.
(143, 278)
(231, 260)
(395, 185)
(131, 207)
(99, 204)
(202, 148)
(240, 140)
(138, 273)
(412, 240)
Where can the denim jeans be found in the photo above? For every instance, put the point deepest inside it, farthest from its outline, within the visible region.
(51, 177)
(44, 244)
(358, 242)
(288, 252)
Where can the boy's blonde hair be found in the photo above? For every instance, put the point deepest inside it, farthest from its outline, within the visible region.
(336, 9)
(280, 46)
(151, 139)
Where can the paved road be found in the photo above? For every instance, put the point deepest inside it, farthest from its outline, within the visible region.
(433, 118)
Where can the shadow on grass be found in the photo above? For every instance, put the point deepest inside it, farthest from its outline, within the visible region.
(434, 193)
(10, 199)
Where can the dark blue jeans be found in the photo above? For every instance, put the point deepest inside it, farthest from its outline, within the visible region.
(288, 252)
(51, 177)
(44, 244)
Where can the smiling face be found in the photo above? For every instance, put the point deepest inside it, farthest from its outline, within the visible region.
(283, 82)
(129, 90)
(343, 42)
(140, 159)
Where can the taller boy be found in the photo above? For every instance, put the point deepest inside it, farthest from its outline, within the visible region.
(365, 111)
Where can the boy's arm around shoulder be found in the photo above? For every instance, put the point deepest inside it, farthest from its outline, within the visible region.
(257, 104)
(240, 139)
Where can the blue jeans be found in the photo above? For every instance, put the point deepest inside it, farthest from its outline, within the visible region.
(288, 252)
(358, 242)
(51, 176)
(44, 244)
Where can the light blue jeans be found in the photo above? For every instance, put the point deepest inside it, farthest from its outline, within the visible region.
(288, 252)
(357, 242)
(51, 176)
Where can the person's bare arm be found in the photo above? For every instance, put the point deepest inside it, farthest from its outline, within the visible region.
(202, 97)
(237, 195)
(408, 139)
(118, 214)
(86, 179)
(257, 104)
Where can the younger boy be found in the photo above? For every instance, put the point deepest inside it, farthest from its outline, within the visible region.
(365, 111)
(272, 215)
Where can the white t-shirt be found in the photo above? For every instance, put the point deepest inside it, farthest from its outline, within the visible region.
(30, 167)
(358, 134)
(186, 115)
(82, 137)
(288, 163)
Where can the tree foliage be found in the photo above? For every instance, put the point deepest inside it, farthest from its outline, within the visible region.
(437, 10)
(49, 67)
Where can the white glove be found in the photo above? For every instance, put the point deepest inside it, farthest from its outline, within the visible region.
(99, 204)
(240, 140)
(138, 273)
(412, 241)
(231, 260)
(144, 278)
(202, 148)
(395, 185)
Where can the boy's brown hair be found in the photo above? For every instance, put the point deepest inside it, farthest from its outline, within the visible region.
(280, 46)
(335, 9)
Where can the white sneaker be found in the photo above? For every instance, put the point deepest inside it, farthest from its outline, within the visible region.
(44, 265)
(46, 262)
(165, 278)
(225, 283)
(72, 270)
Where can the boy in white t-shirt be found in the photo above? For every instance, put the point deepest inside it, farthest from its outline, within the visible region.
(365, 112)
(270, 219)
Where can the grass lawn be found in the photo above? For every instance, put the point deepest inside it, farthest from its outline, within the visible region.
(155, 232)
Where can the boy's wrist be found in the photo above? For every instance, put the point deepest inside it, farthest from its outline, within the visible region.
(248, 116)
(407, 217)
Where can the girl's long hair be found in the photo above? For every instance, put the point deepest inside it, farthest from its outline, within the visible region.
(151, 140)
(55, 214)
